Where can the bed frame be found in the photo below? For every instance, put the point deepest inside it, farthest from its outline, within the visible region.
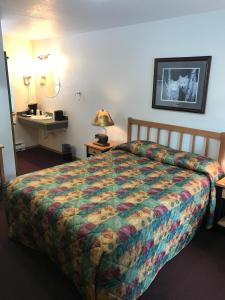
(207, 135)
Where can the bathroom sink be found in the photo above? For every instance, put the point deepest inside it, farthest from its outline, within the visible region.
(41, 117)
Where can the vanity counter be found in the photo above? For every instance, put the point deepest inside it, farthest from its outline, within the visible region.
(49, 124)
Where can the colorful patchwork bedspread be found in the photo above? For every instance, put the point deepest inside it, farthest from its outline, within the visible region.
(112, 221)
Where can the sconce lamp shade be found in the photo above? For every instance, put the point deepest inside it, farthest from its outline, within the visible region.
(103, 119)
(26, 80)
(43, 56)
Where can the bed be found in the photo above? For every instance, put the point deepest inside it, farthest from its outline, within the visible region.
(112, 221)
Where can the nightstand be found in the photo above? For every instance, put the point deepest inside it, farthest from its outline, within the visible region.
(220, 203)
(93, 149)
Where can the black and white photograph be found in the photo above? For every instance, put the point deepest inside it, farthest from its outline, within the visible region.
(181, 83)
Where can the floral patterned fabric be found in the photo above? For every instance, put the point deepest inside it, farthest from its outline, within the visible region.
(112, 221)
(186, 160)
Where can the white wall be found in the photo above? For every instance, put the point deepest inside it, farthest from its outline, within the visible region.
(20, 64)
(5, 124)
(114, 70)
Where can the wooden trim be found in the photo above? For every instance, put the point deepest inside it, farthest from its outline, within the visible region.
(53, 150)
(180, 141)
(31, 147)
(148, 133)
(168, 138)
(193, 143)
(206, 146)
(138, 133)
(43, 147)
(221, 158)
(46, 148)
(2, 174)
(10, 109)
(182, 130)
(129, 128)
(158, 135)
(174, 128)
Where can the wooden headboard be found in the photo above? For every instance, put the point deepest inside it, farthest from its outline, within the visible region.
(207, 135)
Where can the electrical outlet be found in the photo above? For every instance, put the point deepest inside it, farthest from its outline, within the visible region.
(78, 95)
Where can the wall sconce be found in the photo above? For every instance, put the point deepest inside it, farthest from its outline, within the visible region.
(26, 80)
(43, 68)
(43, 56)
(43, 81)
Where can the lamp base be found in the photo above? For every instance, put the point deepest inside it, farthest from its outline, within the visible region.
(101, 145)
(102, 140)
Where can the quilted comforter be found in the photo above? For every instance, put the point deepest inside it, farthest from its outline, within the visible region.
(112, 221)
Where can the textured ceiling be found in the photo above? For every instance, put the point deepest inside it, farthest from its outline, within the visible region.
(49, 18)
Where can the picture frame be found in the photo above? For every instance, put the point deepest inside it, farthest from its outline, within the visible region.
(181, 83)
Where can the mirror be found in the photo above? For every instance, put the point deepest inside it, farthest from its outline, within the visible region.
(50, 85)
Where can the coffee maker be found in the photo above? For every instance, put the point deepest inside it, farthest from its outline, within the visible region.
(32, 108)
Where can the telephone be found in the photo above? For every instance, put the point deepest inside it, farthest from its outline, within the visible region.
(102, 139)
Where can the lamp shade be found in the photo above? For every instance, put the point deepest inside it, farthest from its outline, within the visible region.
(103, 119)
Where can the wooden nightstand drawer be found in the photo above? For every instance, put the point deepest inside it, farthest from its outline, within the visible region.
(92, 151)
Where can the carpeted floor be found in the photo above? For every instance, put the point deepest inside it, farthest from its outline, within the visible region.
(197, 273)
(35, 159)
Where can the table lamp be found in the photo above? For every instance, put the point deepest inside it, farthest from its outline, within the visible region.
(102, 119)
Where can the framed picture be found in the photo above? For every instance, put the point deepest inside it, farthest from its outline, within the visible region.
(181, 83)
